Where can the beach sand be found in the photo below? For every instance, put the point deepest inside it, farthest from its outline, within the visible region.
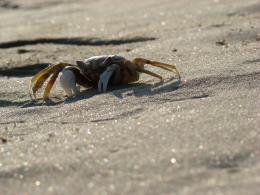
(199, 137)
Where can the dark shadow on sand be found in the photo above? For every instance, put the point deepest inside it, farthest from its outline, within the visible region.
(9, 5)
(138, 90)
(28, 103)
(75, 41)
(24, 71)
(142, 90)
(6, 103)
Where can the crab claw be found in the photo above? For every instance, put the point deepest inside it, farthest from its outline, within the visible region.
(103, 80)
(105, 77)
(68, 82)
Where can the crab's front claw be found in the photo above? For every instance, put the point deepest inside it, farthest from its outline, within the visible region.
(68, 83)
(105, 77)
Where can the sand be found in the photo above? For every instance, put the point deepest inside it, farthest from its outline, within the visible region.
(201, 137)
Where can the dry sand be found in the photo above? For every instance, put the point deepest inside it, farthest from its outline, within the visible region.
(200, 138)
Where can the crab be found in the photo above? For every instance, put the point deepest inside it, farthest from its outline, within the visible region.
(96, 71)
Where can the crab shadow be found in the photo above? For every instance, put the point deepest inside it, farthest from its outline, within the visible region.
(136, 89)
(32, 103)
(196, 88)
(142, 89)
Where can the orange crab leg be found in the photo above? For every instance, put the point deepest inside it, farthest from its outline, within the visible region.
(50, 85)
(38, 80)
(152, 74)
(172, 68)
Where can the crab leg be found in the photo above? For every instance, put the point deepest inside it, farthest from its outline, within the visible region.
(50, 85)
(38, 80)
(152, 74)
(164, 66)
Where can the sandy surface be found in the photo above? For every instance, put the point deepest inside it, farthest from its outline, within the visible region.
(200, 138)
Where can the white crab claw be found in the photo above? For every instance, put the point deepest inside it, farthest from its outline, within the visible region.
(68, 83)
(103, 80)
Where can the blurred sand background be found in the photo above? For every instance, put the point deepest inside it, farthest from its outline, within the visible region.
(144, 138)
